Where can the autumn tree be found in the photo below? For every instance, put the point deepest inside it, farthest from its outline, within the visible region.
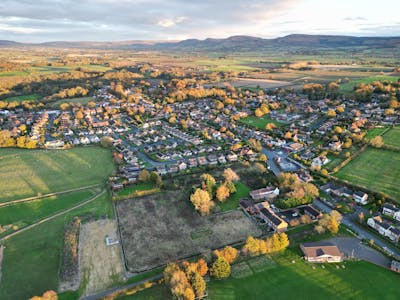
(375, 142)
(198, 284)
(202, 201)
(48, 295)
(222, 193)
(155, 178)
(230, 175)
(220, 269)
(229, 253)
(144, 176)
(208, 183)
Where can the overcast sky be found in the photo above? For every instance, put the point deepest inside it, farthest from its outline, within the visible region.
(110, 20)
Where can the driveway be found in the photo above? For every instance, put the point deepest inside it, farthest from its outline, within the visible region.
(353, 248)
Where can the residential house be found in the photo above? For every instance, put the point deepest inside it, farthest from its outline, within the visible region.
(391, 211)
(265, 193)
(360, 197)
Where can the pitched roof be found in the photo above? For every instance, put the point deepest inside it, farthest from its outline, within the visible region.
(319, 249)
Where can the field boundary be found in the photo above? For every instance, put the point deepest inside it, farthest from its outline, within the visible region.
(53, 216)
(34, 198)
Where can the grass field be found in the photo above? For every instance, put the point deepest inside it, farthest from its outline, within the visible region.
(27, 213)
(141, 186)
(31, 97)
(81, 100)
(375, 132)
(232, 202)
(25, 173)
(260, 123)
(392, 137)
(375, 169)
(32, 258)
(348, 87)
(284, 279)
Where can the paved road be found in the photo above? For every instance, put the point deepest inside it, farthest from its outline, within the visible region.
(103, 294)
(348, 220)
(353, 248)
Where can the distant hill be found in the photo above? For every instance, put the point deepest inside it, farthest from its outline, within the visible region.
(233, 43)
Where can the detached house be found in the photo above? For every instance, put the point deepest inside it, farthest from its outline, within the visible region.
(391, 211)
(360, 197)
(265, 193)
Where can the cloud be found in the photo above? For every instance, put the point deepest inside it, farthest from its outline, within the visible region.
(43, 20)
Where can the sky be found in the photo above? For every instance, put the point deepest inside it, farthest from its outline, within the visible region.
(113, 20)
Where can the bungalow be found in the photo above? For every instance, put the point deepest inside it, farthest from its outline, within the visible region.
(222, 159)
(321, 252)
(360, 197)
(391, 211)
(265, 193)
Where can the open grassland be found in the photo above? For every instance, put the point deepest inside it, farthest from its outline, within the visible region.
(31, 97)
(348, 87)
(375, 169)
(392, 137)
(81, 100)
(168, 222)
(37, 251)
(260, 122)
(25, 173)
(23, 214)
(375, 132)
(289, 277)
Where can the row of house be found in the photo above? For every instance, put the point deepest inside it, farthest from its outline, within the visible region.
(384, 228)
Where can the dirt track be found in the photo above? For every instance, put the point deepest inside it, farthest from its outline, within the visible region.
(101, 265)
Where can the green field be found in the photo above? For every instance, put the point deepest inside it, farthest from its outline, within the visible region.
(31, 97)
(25, 173)
(81, 100)
(32, 258)
(375, 169)
(141, 186)
(349, 86)
(375, 132)
(23, 214)
(242, 191)
(392, 137)
(260, 123)
(283, 279)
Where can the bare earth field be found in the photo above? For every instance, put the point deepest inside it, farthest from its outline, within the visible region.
(162, 227)
(101, 265)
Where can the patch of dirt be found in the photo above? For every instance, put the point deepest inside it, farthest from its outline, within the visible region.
(170, 231)
(100, 265)
(1, 258)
